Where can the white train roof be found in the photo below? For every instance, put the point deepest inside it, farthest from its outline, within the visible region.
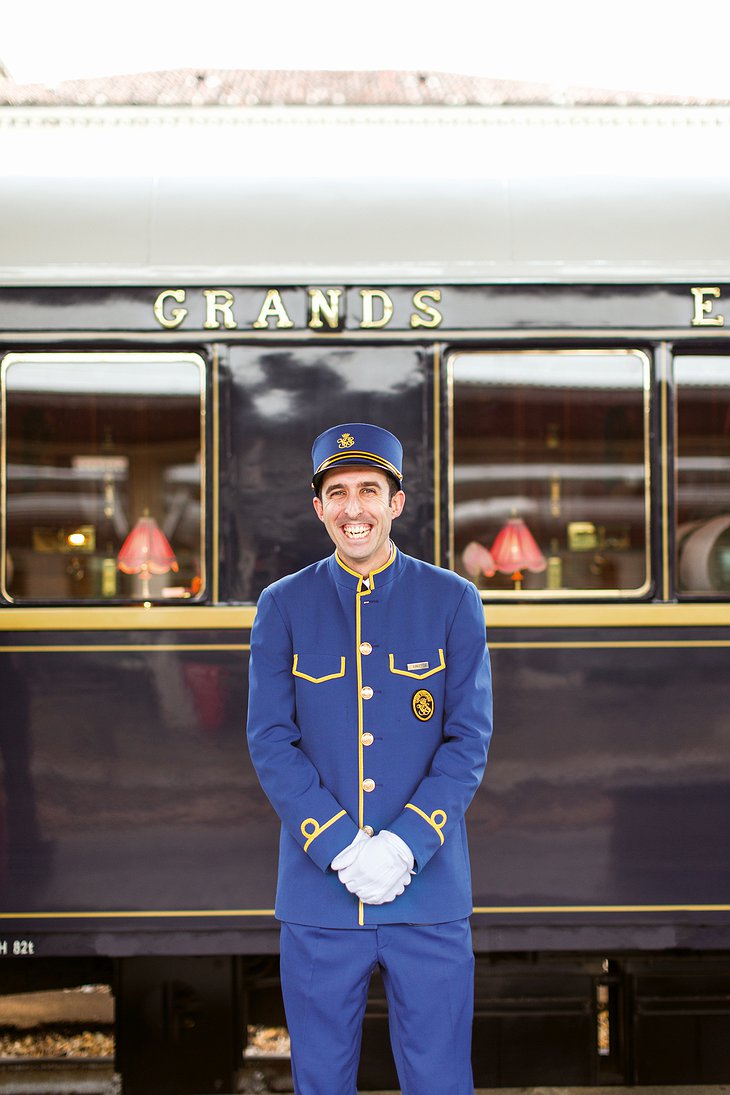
(326, 195)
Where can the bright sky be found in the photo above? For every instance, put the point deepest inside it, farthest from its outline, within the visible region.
(662, 45)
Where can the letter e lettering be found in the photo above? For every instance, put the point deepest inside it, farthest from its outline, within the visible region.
(703, 308)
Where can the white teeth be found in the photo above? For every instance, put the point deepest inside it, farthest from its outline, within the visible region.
(356, 531)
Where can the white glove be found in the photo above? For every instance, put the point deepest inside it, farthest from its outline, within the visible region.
(381, 870)
(348, 855)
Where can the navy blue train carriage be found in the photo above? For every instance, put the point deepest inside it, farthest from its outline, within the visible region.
(537, 301)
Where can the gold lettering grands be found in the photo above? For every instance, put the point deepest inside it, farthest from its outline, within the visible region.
(325, 310)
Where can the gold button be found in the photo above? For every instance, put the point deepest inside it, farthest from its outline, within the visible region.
(369, 830)
(368, 785)
(366, 692)
(367, 738)
(366, 648)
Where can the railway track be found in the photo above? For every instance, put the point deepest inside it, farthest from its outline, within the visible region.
(71, 1023)
(96, 1076)
(53, 1076)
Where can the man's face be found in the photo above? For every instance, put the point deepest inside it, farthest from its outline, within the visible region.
(357, 514)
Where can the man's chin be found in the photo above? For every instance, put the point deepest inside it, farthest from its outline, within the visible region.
(356, 549)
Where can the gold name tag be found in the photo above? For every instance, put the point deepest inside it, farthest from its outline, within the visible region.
(417, 665)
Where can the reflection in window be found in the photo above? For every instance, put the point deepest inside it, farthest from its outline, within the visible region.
(703, 473)
(550, 479)
(103, 482)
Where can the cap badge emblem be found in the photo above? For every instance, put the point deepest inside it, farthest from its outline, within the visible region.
(423, 704)
(346, 441)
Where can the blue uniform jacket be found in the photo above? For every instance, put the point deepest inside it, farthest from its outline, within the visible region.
(370, 707)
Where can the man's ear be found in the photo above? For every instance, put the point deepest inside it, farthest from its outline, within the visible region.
(397, 503)
(318, 508)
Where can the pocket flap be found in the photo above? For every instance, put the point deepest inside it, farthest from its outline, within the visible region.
(318, 667)
(417, 665)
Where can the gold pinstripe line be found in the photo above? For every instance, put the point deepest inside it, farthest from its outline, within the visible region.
(215, 471)
(478, 910)
(116, 647)
(495, 909)
(437, 454)
(131, 914)
(607, 644)
(663, 352)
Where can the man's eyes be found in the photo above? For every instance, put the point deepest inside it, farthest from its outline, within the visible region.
(340, 493)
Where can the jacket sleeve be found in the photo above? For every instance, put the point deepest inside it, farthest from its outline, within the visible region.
(307, 810)
(439, 803)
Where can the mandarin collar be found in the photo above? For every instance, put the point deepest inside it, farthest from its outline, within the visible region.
(354, 581)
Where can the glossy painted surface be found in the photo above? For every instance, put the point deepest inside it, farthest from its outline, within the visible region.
(278, 400)
(609, 782)
(127, 788)
(126, 783)
(129, 809)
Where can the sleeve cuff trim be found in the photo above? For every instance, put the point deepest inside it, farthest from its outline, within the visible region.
(437, 820)
(311, 829)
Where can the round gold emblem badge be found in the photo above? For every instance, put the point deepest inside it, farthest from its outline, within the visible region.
(422, 704)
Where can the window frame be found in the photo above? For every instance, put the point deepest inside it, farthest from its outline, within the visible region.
(117, 357)
(643, 592)
(687, 596)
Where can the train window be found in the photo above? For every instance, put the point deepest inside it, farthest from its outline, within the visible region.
(550, 487)
(703, 474)
(103, 477)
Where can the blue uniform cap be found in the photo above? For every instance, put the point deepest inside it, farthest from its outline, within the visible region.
(357, 443)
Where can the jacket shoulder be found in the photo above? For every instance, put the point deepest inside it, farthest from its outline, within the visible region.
(293, 584)
(446, 581)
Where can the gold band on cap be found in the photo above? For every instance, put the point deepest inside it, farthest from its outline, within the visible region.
(351, 456)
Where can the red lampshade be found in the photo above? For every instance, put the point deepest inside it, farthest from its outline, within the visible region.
(146, 551)
(477, 560)
(515, 550)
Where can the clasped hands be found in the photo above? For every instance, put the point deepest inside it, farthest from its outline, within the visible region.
(375, 868)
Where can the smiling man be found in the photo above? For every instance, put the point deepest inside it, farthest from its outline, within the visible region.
(369, 724)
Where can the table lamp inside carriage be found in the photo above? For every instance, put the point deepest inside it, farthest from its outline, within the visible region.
(146, 551)
(514, 550)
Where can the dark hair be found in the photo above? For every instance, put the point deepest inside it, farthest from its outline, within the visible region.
(393, 484)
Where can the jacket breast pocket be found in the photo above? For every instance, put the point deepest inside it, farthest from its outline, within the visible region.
(319, 668)
(417, 665)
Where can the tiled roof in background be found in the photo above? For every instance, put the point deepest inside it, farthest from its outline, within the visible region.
(233, 87)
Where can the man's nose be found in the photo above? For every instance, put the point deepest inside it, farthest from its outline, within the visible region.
(352, 505)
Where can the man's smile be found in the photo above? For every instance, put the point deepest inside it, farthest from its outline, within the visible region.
(355, 531)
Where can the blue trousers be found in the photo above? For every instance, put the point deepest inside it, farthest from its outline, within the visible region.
(428, 974)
